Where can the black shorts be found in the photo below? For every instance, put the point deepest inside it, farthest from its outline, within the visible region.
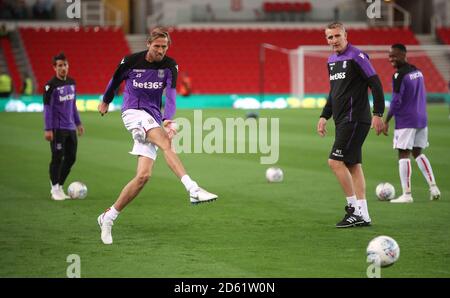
(348, 143)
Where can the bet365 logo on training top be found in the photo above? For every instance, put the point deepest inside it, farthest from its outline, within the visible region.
(148, 85)
(337, 76)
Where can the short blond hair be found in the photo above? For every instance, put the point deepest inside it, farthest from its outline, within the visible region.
(335, 25)
(159, 32)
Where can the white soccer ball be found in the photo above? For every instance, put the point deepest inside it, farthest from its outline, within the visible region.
(77, 190)
(383, 250)
(385, 191)
(274, 174)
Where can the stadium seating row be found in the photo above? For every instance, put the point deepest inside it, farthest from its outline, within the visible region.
(93, 54)
(227, 60)
(224, 60)
(297, 7)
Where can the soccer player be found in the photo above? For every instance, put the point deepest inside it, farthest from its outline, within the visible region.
(61, 125)
(408, 106)
(146, 75)
(350, 73)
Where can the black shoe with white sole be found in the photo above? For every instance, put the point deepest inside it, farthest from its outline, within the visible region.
(365, 224)
(350, 219)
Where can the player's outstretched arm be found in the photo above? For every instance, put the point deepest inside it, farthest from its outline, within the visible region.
(119, 75)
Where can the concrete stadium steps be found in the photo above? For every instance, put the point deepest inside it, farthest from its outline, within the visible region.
(441, 59)
(11, 64)
(3, 65)
(137, 42)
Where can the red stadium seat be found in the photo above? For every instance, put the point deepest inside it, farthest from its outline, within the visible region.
(229, 59)
(444, 35)
(93, 54)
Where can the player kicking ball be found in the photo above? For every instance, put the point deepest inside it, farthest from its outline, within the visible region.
(146, 75)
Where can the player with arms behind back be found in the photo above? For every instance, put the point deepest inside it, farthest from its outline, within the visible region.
(146, 75)
(408, 106)
(351, 73)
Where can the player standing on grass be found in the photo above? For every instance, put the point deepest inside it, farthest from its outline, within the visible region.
(61, 125)
(146, 75)
(408, 106)
(351, 73)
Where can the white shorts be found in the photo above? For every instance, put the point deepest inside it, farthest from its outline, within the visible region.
(407, 138)
(140, 119)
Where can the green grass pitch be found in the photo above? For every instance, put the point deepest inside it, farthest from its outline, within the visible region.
(254, 229)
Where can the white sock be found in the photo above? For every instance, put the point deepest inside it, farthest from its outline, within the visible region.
(425, 167)
(111, 214)
(363, 209)
(55, 187)
(188, 182)
(404, 169)
(351, 201)
(357, 207)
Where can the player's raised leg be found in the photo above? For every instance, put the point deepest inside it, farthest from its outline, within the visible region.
(128, 193)
(197, 194)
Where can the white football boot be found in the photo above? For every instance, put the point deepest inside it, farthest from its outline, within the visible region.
(105, 226)
(199, 195)
(435, 194)
(61, 189)
(57, 195)
(404, 198)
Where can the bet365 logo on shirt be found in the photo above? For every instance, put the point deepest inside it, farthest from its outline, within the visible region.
(148, 85)
(337, 76)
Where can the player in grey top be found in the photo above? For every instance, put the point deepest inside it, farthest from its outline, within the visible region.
(62, 122)
(146, 75)
(408, 106)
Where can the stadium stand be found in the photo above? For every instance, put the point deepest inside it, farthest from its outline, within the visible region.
(219, 60)
(227, 60)
(93, 54)
(444, 35)
(5, 44)
(286, 10)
